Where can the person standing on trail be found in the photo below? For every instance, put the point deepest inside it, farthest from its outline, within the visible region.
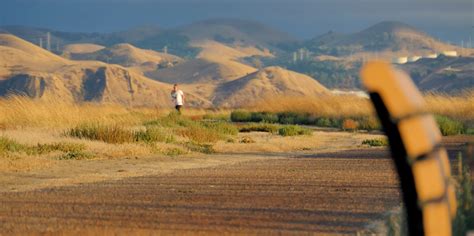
(178, 97)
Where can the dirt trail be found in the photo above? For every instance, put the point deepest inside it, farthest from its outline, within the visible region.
(325, 193)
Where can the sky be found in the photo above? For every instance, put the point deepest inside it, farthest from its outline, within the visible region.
(449, 20)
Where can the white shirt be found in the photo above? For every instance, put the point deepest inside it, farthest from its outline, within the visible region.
(178, 97)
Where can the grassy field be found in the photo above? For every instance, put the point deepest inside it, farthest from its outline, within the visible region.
(54, 129)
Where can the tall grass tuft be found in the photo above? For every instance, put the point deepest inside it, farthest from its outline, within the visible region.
(448, 126)
(293, 130)
(105, 133)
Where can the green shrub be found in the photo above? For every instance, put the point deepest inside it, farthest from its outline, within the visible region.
(153, 134)
(254, 127)
(336, 122)
(70, 150)
(8, 145)
(200, 147)
(217, 117)
(293, 130)
(287, 117)
(108, 134)
(264, 117)
(323, 122)
(448, 126)
(368, 123)
(240, 116)
(63, 147)
(221, 127)
(376, 142)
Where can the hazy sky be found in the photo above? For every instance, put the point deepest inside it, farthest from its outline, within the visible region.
(446, 19)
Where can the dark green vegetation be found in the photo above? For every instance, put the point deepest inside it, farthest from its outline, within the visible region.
(294, 118)
(293, 130)
(67, 150)
(447, 126)
(376, 142)
(259, 127)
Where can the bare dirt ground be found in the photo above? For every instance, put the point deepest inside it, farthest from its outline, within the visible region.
(324, 193)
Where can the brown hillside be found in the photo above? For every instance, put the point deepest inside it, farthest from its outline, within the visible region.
(126, 55)
(265, 83)
(216, 63)
(30, 70)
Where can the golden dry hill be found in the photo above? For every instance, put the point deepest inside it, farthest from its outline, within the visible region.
(270, 82)
(38, 73)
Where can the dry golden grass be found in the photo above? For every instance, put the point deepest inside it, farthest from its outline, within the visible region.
(24, 112)
(459, 107)
(324, 106)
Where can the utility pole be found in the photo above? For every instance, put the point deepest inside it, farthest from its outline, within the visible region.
(48, 41)
(41, 42)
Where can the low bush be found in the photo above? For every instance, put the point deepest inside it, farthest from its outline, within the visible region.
(105, 133)
(221, 127)
(62, 147)
(293, 130)
(448, 126)
(256, 127)
(200, 147)
(240, 116)
(368, 123)
(296, 118)
(323, 122)
(69, 150)
(376, 142)
(265, 117)
(217, 117)
(153, 134)
(8, 145)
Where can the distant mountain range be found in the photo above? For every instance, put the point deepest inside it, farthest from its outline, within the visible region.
(220, 62)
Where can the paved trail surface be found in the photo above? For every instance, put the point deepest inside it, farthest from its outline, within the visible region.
(323, 193)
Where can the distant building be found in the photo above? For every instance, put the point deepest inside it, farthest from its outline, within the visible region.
(414, 58)
(450, 53)
(400, 60)
(431, 56)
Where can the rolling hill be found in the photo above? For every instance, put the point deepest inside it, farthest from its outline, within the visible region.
(33, 71)
(387, 39)
(267, 83)
(127, 55)
(235, 31)
(444, 74)
(215, 63)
